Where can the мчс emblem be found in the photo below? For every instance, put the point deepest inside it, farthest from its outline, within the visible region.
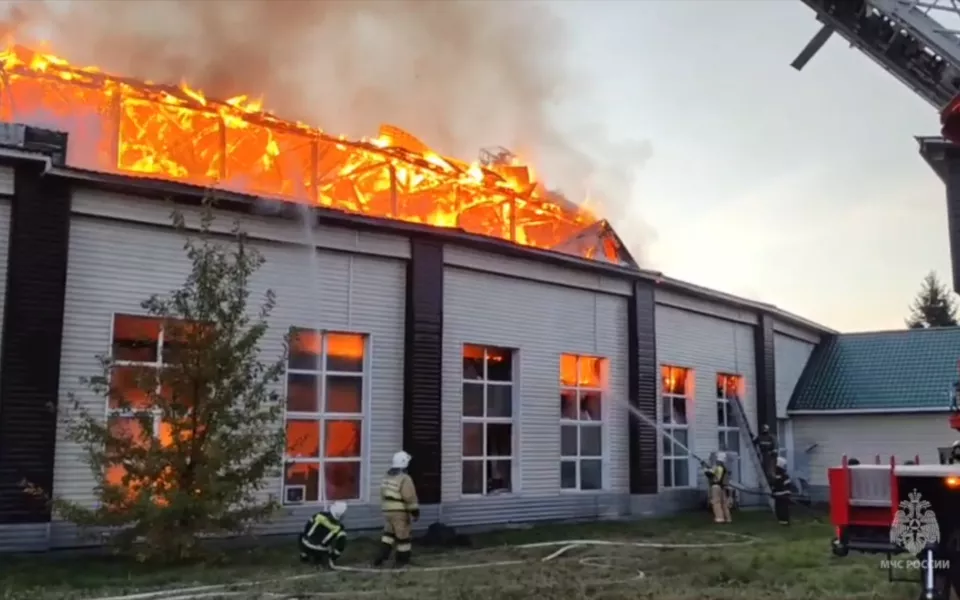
(915, 525)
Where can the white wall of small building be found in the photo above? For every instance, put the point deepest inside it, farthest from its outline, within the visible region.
(114, 266)
(825, 439)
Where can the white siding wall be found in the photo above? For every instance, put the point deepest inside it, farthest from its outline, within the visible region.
(708, 345)
(541, 321)
(865, 436)
(4, 253)
(114, 266)
(790, 358)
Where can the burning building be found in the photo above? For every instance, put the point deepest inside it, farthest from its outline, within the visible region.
(498, 333)
(176, 133)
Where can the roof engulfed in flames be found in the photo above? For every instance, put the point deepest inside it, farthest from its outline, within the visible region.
(144, 129)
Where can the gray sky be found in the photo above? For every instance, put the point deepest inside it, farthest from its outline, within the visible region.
(801, 189)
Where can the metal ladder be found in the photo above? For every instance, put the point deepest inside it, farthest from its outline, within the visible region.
(743, 425)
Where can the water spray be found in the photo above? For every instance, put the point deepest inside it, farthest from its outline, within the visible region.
(662, 431)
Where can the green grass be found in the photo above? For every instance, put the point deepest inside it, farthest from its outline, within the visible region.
(792, 562)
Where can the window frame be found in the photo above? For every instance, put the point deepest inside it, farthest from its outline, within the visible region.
(513, 421)
(580, 424)
(320, 417)
(689, 401)
(725, 429)
(155, 413)
(129, 413)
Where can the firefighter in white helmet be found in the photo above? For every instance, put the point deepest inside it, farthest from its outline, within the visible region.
(719, 478)
(324, 538)
(781, 489)
(398, 502)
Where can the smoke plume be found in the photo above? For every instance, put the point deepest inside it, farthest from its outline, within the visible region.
(458, 74)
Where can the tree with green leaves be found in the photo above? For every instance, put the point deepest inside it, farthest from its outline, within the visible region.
(934, 305)
(198, 438)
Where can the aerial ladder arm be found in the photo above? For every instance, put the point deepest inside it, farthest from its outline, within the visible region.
(902, 36)
(909, 39)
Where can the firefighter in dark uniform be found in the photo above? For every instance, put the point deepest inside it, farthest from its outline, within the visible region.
(399, 505)
(767, 446)
(780, 486)
(324, 538)
(718, 478)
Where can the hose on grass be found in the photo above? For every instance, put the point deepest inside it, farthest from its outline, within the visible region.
(240, 589)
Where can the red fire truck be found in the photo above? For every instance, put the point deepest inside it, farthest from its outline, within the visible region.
(907, 509)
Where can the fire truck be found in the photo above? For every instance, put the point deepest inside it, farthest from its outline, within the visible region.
(903, 510)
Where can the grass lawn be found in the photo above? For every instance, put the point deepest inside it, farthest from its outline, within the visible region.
(792, 562)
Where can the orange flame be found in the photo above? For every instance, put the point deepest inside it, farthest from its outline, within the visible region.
(144, 129)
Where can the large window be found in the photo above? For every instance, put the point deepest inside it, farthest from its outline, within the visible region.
(324, 417)
(141, 347)
(581, 422)
(729, 391)
(675, 404)
(487, 420)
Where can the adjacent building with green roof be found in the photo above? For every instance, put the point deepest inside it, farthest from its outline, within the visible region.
(873, 396)
(883, 371)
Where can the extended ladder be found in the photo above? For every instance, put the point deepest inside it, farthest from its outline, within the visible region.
(743, 425)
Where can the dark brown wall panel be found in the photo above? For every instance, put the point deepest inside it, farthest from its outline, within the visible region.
(642, 368)
(422, 377)
(763, 347)
(32, 335)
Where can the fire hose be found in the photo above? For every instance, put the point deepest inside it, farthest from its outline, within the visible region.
(240, 589)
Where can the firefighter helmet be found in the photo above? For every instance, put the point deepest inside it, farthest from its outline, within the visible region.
(401, 460)
(721, 457)
(337, 509)
(781, 462)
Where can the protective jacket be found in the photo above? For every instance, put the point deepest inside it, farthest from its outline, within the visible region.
(765, 443)
(324, 533)
(781, 484)
(717, 475)
(398, 493)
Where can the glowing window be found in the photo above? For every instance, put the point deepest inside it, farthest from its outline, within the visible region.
(324, 417)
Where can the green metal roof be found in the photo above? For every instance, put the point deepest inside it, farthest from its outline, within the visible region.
(897, 370)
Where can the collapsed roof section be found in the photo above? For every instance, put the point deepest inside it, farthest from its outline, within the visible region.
(599, 242)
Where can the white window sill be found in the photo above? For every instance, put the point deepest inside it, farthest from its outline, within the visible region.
(511, 495)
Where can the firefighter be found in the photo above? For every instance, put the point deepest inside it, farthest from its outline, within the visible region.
(324, 538)
(780, 486)
(398, 502)
(767, 446)
(718, 477)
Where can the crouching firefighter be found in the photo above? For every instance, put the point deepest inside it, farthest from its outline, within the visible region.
(324, 538)
(398, 502)
(780, 486)
(719, 479)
